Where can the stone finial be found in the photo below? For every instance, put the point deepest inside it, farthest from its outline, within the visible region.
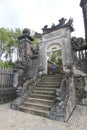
(62, 21)
(26, 31)
(26, 34)
(83, 2)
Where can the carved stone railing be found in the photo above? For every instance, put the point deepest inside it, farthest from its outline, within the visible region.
(26, 71)
(80, 69)
(61, 109)
(79, 49)
(79, 54)
(23, 92)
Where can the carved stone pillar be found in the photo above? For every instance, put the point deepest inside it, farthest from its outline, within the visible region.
(24, 58)
(83, 4)
(25, 46)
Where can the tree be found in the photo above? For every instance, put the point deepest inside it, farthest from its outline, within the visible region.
(56, 57)
(8, 41)
(77, 42)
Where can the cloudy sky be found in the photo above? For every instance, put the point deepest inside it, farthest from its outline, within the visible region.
(34, 14)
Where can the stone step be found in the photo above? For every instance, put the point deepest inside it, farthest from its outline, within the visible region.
(38, 112)
(43, 92)
(56, 75)
(45, 88)
(43, 96)
(52, 77)
(50, 80)
(39, 100)
(48, 83)
(37, 105)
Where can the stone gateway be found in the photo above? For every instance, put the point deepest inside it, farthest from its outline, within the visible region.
(39, 90)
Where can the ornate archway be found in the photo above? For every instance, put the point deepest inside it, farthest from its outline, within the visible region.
(51, 41)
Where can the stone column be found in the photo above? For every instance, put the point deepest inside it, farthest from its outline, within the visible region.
(24, 55)
(67, 51)
(83, 4)
(25, 46)
(42, 59)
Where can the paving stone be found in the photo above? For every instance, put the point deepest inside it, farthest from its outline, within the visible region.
(16, 120)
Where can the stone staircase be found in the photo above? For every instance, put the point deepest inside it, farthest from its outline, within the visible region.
(40, 101)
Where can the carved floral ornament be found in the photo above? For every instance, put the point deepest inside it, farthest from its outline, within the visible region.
(62, 23)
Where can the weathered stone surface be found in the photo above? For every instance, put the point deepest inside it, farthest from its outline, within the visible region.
(35, 64)
(81, 65)
(61, 37)
(62, 24)
(79, 88)
(71, 104)
(26, 69)
(65, 100)
(83, 4)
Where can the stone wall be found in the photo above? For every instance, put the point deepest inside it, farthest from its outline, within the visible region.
(81, 65)
(80, 59)
(33, 68)
(80, 70)
(71, 104)
(79, 88)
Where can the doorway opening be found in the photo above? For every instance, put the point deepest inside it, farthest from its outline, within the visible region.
(54, 59)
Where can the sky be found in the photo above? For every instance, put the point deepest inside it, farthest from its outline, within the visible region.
(34, 14)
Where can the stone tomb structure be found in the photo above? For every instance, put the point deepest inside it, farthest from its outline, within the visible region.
(31, 74)
(32, 66)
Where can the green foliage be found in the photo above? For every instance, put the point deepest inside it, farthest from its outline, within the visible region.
(59, 53)
(6, 64)
(8, 41)
(35, 42)
(78, 42)
(53, 58)
(9, 36)
(59, 61)
(57, 57)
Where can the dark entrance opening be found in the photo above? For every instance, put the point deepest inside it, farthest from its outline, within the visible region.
(55, 65)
